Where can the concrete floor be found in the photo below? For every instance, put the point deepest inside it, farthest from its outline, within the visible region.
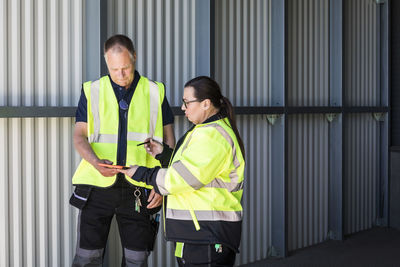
(378, 247)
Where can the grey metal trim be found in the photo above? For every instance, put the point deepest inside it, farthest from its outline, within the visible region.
(203, 37)
(384, 125)
(33, 112)
(96, 32)
(279, 234)
(335, 187)
(60, 112)
(335, 198)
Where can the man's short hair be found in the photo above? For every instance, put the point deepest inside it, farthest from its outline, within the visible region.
(118, 41)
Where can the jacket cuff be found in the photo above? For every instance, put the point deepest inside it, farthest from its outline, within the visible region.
(165, 156)
(147, 175)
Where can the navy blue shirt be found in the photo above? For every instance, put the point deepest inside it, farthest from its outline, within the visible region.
(126, 94)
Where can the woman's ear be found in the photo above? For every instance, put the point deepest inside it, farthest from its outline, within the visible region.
(205, 104)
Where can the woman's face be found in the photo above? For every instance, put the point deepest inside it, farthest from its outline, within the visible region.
(194, 110)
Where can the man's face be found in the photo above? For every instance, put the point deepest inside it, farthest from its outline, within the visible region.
(121, 67)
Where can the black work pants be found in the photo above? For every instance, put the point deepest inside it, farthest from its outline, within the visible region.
(137, 230)
(197, 255)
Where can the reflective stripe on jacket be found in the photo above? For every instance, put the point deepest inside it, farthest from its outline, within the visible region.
(204, 184)
(144, 120)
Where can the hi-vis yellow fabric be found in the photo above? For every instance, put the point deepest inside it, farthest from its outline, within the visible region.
(144, 120)
(205, 179)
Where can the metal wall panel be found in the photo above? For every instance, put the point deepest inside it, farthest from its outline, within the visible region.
(163, 33)
(360, 46)
(361, 172)
(41, 52)
(38, 227)
(307, 180)
(242, 51)
(256, 233)
(308, 52)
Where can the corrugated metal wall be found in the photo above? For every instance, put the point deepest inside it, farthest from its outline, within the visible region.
(307, 180)
(242, 51)
(308, 52)
(163, 32)
(360, 59)
(37, 160)
(41, 52)
(307, 85)
(41, 65)
(242, 68)
(361, 139)
(361, 176)
(256, 236)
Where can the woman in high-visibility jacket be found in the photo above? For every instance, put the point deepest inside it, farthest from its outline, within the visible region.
(204, 179)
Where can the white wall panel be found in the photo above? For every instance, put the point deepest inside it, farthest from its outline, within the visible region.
(163, 33)
(37, 222)
(308, 52)
(361, 176)
(307, 180)
(41, 52)
(360, 46)
(242, 51)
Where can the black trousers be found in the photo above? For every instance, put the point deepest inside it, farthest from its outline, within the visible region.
(206, 255)
(137, 230)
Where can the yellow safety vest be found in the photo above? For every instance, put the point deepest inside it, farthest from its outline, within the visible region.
(144, 120)
(204, 184)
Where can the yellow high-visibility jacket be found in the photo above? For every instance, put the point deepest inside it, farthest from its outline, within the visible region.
(204, 187)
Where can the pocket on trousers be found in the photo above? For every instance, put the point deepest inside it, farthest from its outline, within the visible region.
(196, 253)
(80, 196)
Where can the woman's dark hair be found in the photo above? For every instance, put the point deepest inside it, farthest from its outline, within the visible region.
(207, 88)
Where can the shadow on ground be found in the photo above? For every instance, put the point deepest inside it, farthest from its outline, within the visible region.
(378, 247)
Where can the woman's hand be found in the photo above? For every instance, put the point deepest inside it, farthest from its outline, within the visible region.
(153, 148)
(130, 172)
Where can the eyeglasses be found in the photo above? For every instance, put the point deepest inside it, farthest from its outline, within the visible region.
(191, 101)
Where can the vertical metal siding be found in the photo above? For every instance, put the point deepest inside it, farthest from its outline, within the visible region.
(41, 51)
(163, 33)
(37, 225)
(307, 180)
(242, 51)
(360, 70)
(361, 172)
(308, 52)
(256, 233)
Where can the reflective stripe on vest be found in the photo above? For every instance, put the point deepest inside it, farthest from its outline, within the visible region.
(205, 215)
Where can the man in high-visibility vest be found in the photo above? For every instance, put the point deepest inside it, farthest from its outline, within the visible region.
(115, 114)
